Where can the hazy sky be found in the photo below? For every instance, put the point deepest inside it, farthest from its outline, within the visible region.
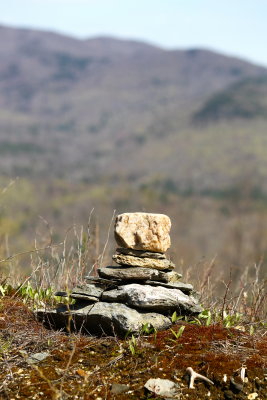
(237, 27)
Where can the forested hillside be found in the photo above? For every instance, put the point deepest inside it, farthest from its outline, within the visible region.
(111, 109)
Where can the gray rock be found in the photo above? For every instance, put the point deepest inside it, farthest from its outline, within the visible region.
(143, 231)
(163, 387)
(84, 297)
(156, 321)
(153, 298)
(136, 274)
(87, 292)
(124, 319)
(118, 388)
(99, 318)
(184, 287)
(196, 295)
(101, 282)
(141, 253)
(65, 317)
(133, 261)
(37, 357)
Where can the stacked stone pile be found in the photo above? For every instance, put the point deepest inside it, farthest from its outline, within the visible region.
(142, 289)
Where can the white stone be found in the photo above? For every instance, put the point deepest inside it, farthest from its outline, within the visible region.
(143, 231)
(163, 387)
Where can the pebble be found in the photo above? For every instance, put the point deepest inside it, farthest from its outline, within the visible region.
(118, 388)
(252, 396)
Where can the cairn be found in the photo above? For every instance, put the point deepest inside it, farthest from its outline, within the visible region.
(143, 289)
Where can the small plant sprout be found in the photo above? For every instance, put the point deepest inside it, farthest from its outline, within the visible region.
(38, 296)
(194, 375)
(251, 330)
(176, 318)
(207, 316)
(5, 289)
(179, 333)
(132, 343)
(147, 329)
(229, 320)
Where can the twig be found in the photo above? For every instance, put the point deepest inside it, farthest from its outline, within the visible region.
(29, 252)
(225, 295)
(194, 375)
(3, 191)
(103, 252)
(68, 366)
(114, 360)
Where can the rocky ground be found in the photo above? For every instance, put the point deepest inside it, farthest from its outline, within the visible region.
(38, 363)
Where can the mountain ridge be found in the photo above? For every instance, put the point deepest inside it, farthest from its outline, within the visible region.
(120, 40)
(92, 108)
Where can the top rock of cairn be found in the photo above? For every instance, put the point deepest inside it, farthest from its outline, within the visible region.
(143, 231)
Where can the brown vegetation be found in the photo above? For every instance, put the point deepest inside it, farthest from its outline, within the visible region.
(86, 367)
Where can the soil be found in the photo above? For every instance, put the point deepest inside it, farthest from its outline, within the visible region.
(85, 367)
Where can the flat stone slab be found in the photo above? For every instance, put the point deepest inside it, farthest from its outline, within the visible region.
(133, 261)
(88, 292)
(136, 274)
(143, 231)
(141, 253)
(101, 282)
(102, 318)
(154, 298)
(118, 388)
(186, 288)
